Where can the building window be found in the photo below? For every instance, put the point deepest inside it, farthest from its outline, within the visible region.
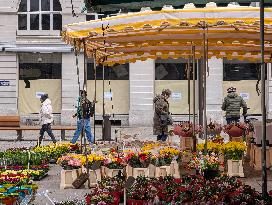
(94, 16)
(39, 66)
(172, 70)
(39, 15)
(117, 72)
(238, 70)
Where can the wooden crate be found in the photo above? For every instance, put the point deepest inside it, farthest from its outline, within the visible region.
(67, 177)
(236, 139)
(140, 172)
(175, 169)
(235, 168)
(162, 171)
(257, 157)
(186, 143)
(94, 176)
(112, 172)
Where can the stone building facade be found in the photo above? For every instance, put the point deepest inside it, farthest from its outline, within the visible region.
(30, 43)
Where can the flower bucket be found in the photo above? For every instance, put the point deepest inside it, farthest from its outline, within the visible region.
(235, 131)
(214, 129)
(137, 202)
(210, 173)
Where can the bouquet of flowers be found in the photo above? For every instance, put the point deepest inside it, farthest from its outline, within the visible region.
(234, 150)
(138, 159)
(115, 162)
(204, 162)
(212, 147)
(69, 162)
(236, 129)
(214, 129)
(100, 197)
(186, 129)
(91, 159)
(161, 160)
(143, 189)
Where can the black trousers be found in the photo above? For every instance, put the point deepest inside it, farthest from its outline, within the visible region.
(46, 128)
(232, 119)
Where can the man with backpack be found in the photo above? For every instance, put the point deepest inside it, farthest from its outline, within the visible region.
(232, 105)
(85, 110)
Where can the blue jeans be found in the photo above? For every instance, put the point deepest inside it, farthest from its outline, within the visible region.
(162, 137)
(87, 124)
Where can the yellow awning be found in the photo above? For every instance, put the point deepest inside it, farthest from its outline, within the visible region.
(232, 32)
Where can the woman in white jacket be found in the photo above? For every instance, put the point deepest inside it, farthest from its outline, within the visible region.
(46, 115)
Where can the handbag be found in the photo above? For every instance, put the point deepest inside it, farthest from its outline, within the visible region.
(166, 120)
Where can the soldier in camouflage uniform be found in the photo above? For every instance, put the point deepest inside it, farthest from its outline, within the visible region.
(232, 105)
(161, 108)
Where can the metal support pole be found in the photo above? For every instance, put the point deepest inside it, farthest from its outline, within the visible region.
(103, 101)
(189, 87)
(263, 102)
(204, 63)
(84, 99)
(94, 59)
(194, 101)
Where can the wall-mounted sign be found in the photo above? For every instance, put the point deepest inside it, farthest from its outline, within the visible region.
(176, 96)
(4, 83)
(108, 95)
(39, 94)
(245, 96)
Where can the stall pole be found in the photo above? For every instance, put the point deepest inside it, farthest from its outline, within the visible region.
(94, 60)
(84, 99)
(204, 64)
(194, 120)
(263, 69)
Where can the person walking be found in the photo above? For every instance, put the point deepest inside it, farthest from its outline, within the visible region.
(232, 105)
(46, 118)
(83, 117)
(162, 117)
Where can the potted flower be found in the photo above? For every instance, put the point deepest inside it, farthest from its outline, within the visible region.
(114, 164)
(71, 170)
(113, 185)
(186, 130)
(99, 197)
(236, 129)
(234, 152)
(139, 161)
(208, 165)
(142, 192)
(214, 128)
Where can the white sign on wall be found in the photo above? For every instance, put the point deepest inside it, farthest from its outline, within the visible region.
(39, 94)
(176, 96)
(245, 96)
(108, 95)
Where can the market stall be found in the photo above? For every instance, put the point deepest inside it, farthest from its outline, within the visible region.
(231, 32)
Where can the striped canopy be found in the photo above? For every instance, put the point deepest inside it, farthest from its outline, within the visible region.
(232, 32)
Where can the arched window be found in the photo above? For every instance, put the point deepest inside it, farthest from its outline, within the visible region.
(39, 15)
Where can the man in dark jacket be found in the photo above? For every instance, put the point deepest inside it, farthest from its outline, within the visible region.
(232, 105)
(161, 111)
(85, 108)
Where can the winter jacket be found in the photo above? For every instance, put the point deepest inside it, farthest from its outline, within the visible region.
(161, 108)
(46, 112)
(232, 104)
(88, 109)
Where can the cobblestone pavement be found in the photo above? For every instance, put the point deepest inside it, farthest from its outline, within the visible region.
(52, 181)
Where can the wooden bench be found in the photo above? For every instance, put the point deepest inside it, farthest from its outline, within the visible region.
(13, 123)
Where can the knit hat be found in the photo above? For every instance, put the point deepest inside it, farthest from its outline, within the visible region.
(231, 89)
(166, 92)
(44, 96)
